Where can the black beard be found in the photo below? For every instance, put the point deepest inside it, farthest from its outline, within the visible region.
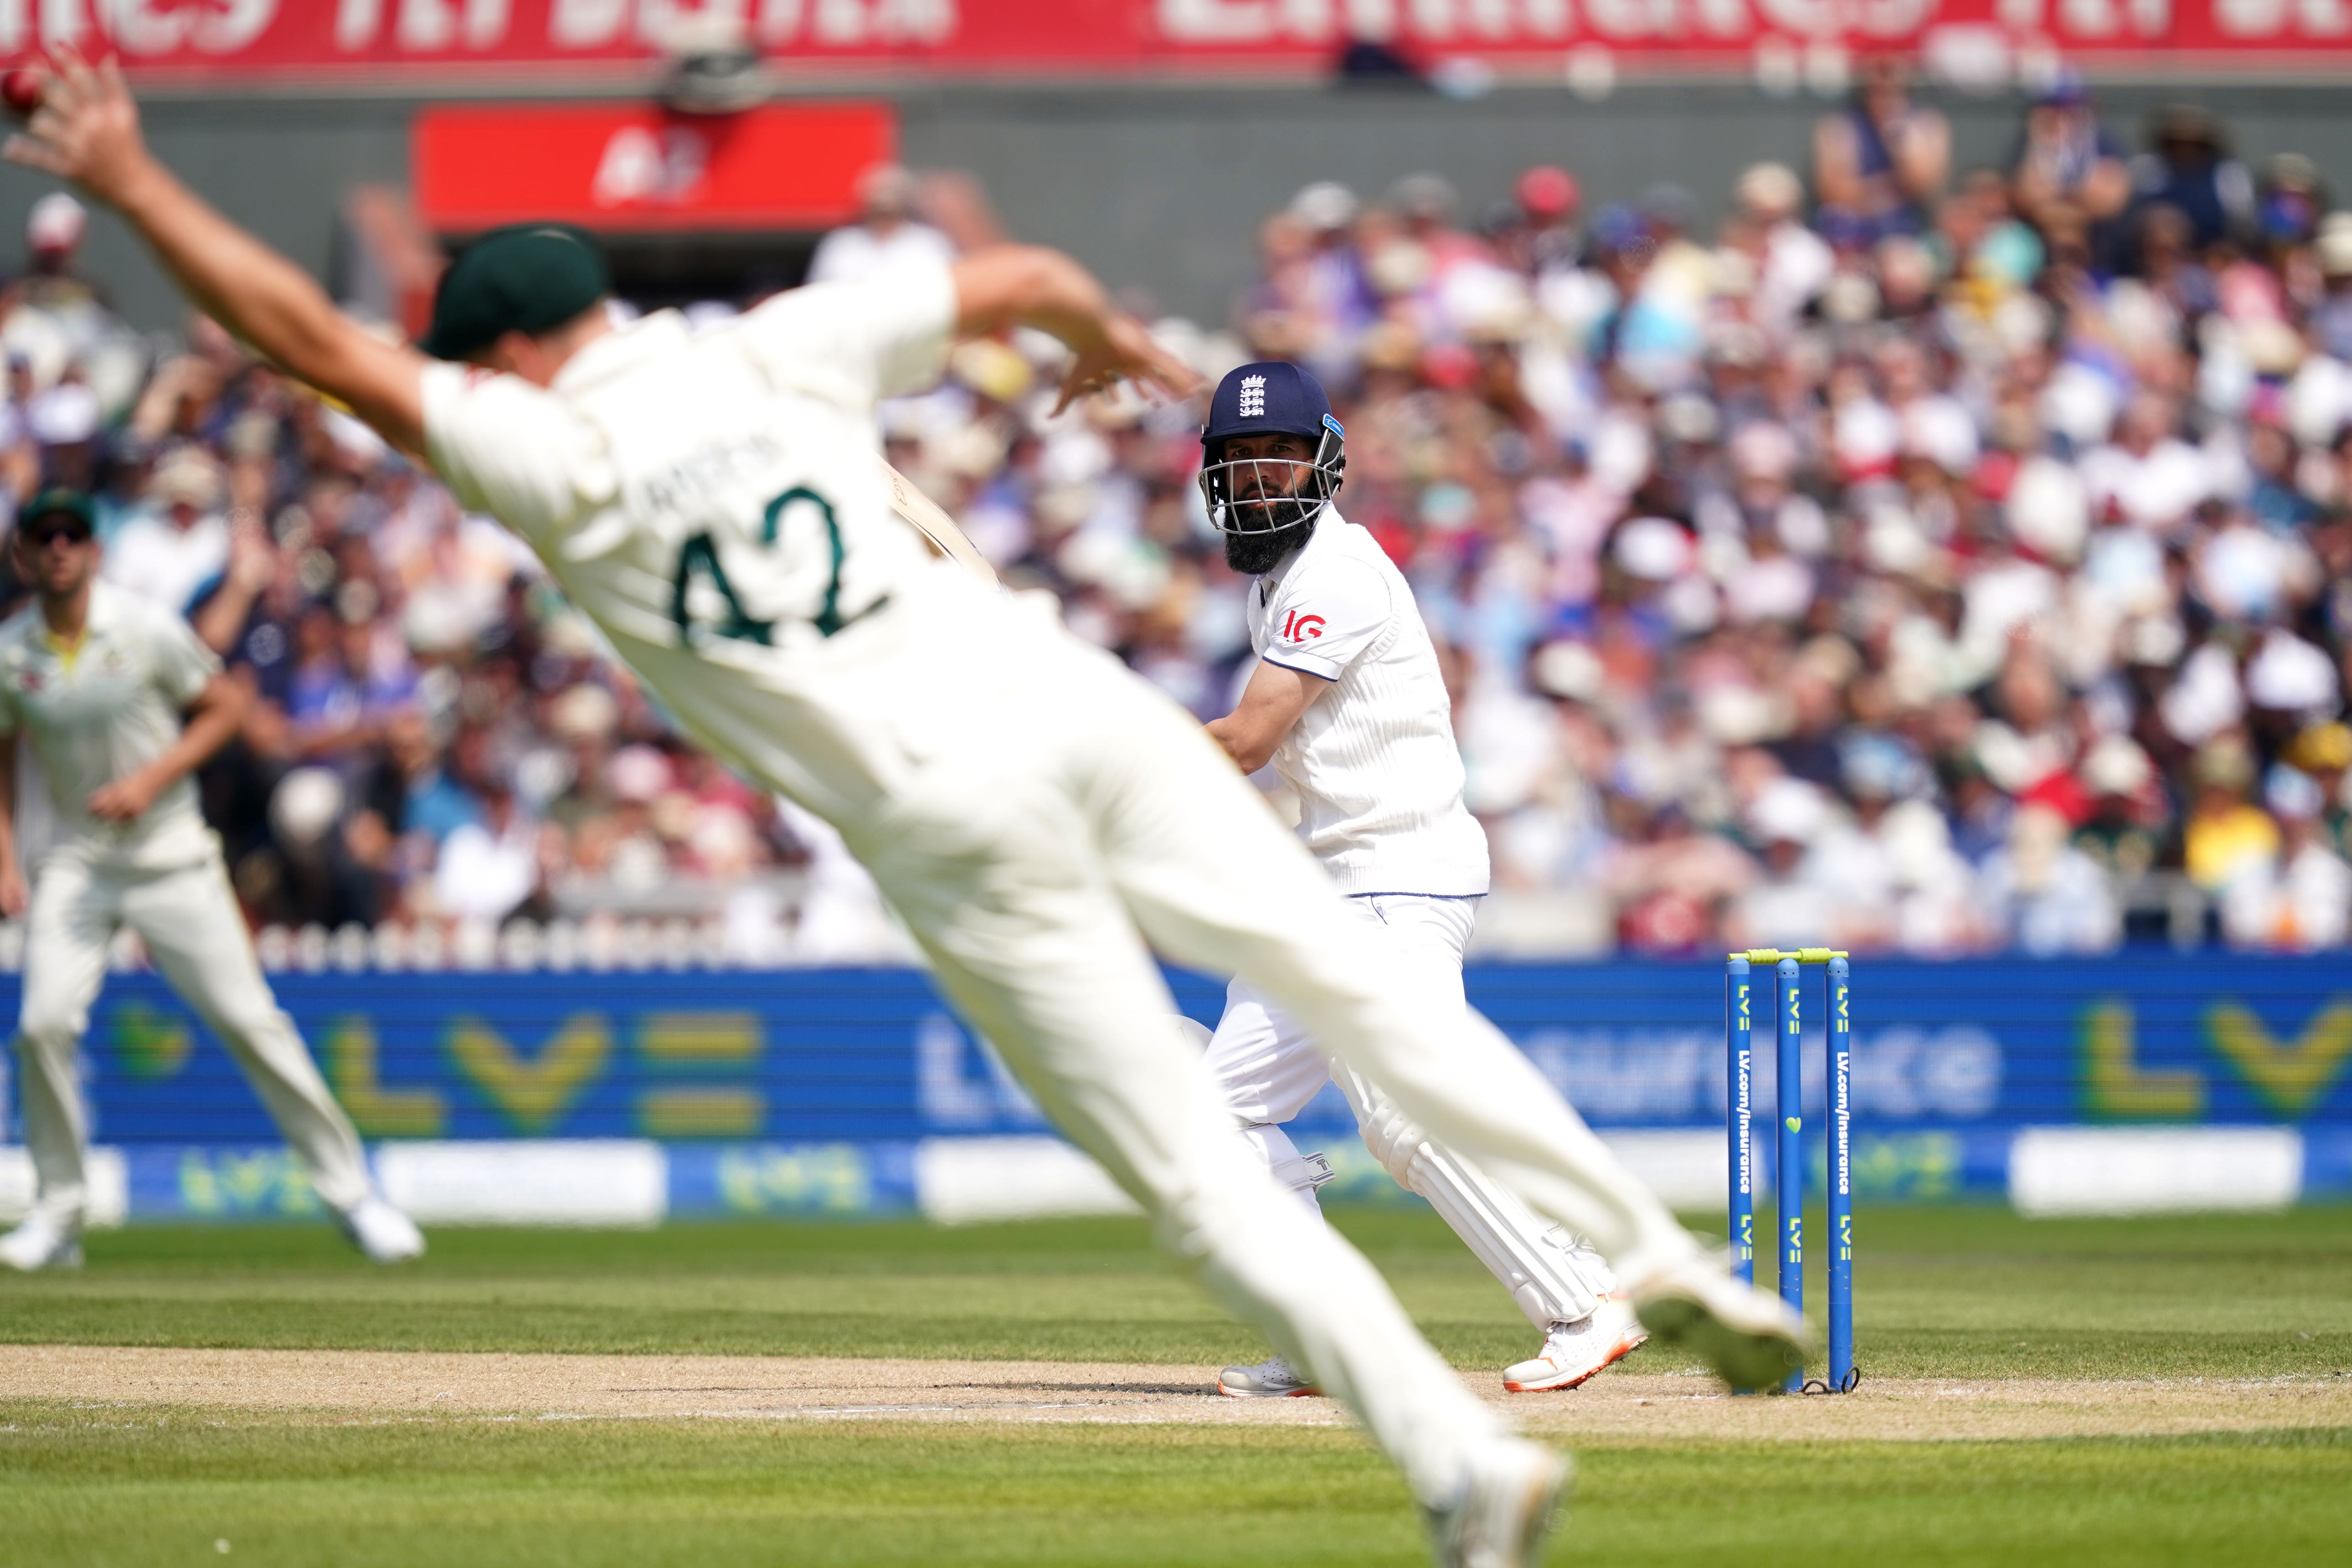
(1256, 554)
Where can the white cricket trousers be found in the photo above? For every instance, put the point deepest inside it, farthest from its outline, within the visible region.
(1063, 820)
(1267, 1068)
(196, 934)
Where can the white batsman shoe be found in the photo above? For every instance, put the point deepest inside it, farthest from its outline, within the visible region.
(382, 1231)
(1752, 1340)
(1273, 1378)
(1573, 1352)
(1509, 1495)
(41, 1242)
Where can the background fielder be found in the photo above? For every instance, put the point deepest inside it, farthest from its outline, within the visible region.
(1348, 706)
(97, 678)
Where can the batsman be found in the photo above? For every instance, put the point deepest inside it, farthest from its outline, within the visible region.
(1348, 705)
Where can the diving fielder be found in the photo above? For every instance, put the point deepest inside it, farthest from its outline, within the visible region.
(1033, 812)
(1348, 705)
(97, 678)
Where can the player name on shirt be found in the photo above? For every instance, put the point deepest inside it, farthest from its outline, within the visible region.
(694, 479)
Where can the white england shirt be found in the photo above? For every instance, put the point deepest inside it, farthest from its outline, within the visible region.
(1373, 760)
(100, 710)
(716, 503)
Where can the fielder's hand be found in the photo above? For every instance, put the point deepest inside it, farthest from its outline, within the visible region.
(14, 900)
(1126, 352)
(86, 129)
(127, 799)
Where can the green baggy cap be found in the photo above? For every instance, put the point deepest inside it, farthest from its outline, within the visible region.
(526, 278)
(59, 501)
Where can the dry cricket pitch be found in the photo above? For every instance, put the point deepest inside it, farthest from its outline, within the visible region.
(332, 1385)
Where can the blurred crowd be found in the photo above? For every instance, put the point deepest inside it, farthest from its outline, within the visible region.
(1915, 559)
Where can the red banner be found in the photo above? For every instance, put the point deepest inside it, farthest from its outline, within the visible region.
(449, 40)
(786, 167)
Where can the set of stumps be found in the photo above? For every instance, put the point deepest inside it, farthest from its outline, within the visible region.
(1788, 1163)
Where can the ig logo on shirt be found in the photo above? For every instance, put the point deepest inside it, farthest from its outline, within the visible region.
(1296, 627)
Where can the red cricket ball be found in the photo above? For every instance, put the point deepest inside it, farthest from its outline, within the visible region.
(20, 90)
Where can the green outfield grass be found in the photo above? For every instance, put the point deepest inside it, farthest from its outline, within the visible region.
(1951, 1292)
(82, 1488)
(1961, 1292)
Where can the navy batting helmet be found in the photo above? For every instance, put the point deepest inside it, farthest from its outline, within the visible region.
(1269, 397)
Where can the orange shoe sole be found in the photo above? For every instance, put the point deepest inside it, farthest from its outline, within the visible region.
(1294, 1394)
(1620, 1353)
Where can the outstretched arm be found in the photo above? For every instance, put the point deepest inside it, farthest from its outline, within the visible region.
(1035, 287)
(86, 130)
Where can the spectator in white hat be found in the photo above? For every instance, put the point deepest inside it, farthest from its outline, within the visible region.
(58, 318)
(2045, 896)
(179, 546)
(1326, 289)
(887, 237)
(53, 230)
(2331, 321)
(1797, 263)
(1788, 906)
(2300, 899)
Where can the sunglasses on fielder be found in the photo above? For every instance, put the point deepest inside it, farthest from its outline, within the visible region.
(41, 535)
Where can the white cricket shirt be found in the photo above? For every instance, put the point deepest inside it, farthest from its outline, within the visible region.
(714, 503)
(1373, 760)
(104, 709)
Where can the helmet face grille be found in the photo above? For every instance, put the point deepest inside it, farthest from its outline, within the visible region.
(1267, 495)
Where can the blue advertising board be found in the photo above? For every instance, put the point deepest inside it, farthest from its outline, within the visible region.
(1949, 1059)
(821, 1054)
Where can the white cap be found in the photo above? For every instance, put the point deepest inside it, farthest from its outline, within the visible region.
(2117, 765)
(1325, 205)
(1655, 549)
(2050, 509)
(64, 414)
(1568, 669)
(56, 223)
(305, 805)
(1772, 189)
(187, 475)
(2289, 675)
(584, 712)
(638, 774)
(1787, 810)
(2335, 246)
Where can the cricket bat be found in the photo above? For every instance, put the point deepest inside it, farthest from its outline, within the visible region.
(936, 526)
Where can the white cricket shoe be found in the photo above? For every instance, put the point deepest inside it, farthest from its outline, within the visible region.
(41, 1242)
(1509, 1495)
(1273, 1378)
(1573, 1352)
(1753, 1340)
(382, 1231)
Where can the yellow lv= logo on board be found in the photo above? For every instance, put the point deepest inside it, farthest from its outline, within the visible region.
(533, 1094)
(2289, 1078)
(375, 1111)
(2115, 1084)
